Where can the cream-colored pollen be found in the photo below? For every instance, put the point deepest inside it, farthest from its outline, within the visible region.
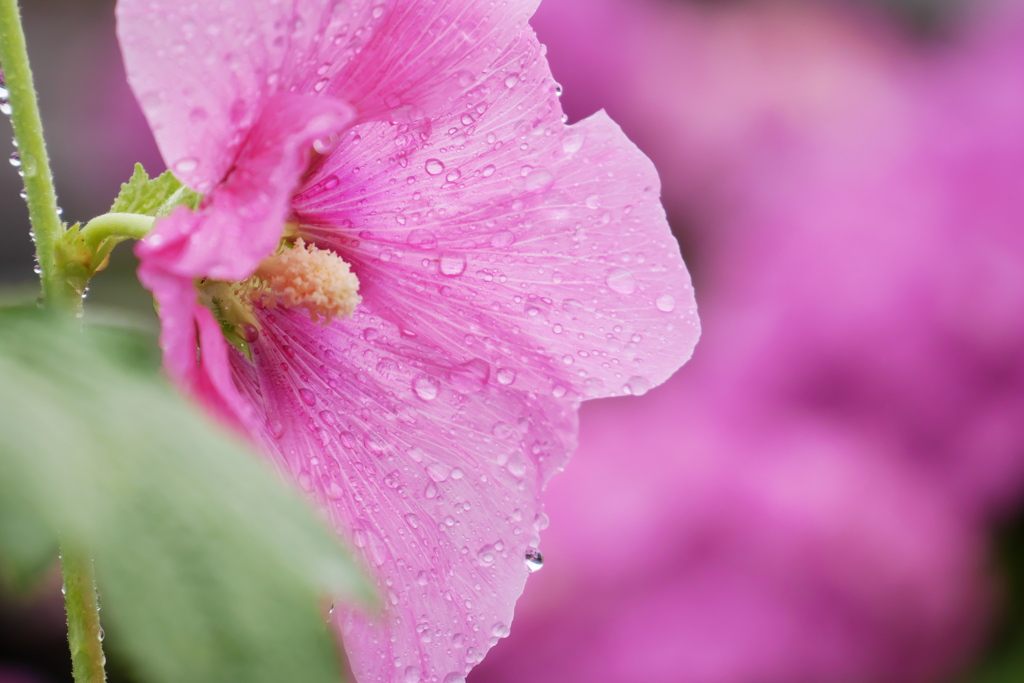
(304, 275)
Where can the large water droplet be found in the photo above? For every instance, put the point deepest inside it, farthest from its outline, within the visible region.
(637, 386)
(434, 166)
(307, 396)
(505, 376)
(15, 160)
(666, 303)
(425, 387)
(438, 471)
(486, 555)
(538, 180)
(422, 239)
(471, 377)
(186, 165)
(621, 280)
(452, 265)
(534, 560)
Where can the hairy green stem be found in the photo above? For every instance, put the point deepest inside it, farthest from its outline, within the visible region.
(116, 225)
(35, 163)
(47, 228)
(82, 605)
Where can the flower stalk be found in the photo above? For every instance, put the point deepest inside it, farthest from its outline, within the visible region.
(47, 227)
(84, 633)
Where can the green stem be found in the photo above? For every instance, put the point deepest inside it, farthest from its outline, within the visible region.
(35, 163)
(82, 605)
(116, 225)
(80, 585)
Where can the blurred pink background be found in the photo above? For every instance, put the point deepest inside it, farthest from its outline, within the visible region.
(831, 491)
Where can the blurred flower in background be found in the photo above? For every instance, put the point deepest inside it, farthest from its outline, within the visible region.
(814, 498)
(811, 500)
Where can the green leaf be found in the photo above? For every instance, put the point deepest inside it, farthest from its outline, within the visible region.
(210, 569)
(153, 197)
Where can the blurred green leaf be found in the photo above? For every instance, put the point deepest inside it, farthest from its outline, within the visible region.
(153, 197)
(210, 570)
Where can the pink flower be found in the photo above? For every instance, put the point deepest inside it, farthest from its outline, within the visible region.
(728, 549)
(443, 270)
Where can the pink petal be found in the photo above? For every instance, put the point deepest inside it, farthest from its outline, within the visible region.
(242, 220)
(539, 248)
(185, 324)
(434, 480)
(204, 71)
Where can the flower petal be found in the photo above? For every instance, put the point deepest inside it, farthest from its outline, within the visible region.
(242, 220)
(435, 480)
(539, 248)
(204, 71)
(185, 323)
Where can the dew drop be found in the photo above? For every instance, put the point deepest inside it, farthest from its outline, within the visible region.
(452, 265)
(425, 387)
(534, 560)
(454, 677)
(485, 556)
(15, 160)
(186, 165)
(503, 238)
(621, 280)
(438, 471)
(412, 675)
(471, 377)
(637, 386)
(666, 303)
(434, 166)
(250, 332)
(422, 239)
(505, 376)
(511, 80)
(539, 180)
(488, 171)
(307, 396)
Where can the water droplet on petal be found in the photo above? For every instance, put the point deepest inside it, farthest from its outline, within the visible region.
(534, 560)
(434, 166)
(307, 396)
(15, 160)
(412, 675)
(186, 165)
(485, 556)
(454, 677)
(438, 471)
(425, 387)
(503, 238)
(471, 377)
(621, 280)
(666, 303)
(250, 332)
(637, 386)
(539, 180)
(452, 265)
(505, 376)
(422, 239)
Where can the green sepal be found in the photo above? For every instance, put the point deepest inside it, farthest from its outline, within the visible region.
(155, 197)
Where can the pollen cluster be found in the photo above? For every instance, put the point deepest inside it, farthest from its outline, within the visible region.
(301, 274)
